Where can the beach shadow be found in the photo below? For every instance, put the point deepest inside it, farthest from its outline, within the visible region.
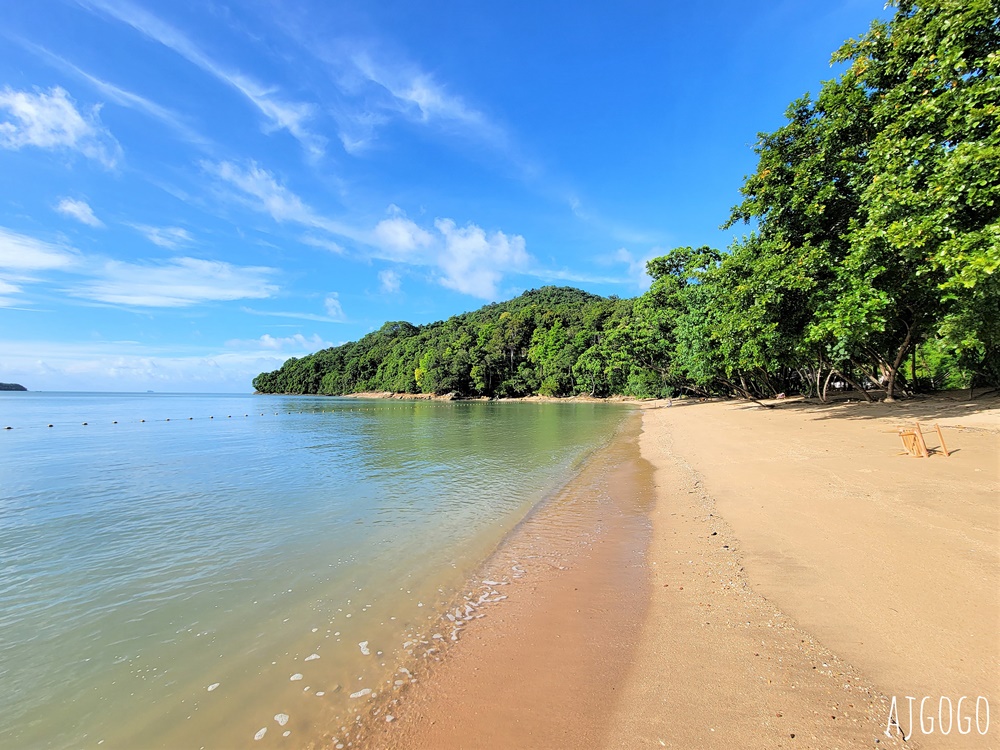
(916, 409)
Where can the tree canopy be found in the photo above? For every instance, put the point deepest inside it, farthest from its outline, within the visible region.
(874, 242)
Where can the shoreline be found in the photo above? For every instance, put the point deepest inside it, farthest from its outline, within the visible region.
(756, 628)
(580, 399)
(572, 581)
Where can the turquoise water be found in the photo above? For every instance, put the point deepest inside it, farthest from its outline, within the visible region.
(226, 539)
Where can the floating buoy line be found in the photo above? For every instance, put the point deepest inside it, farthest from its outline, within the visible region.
(230, 416)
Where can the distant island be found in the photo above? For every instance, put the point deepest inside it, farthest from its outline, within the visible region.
(12, 387)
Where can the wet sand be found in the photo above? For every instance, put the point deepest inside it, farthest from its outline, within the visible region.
(799, 573)
(545, 666)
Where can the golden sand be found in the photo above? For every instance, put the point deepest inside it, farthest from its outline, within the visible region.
(799, 574)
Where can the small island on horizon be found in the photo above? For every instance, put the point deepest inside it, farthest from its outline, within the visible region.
(12, 387)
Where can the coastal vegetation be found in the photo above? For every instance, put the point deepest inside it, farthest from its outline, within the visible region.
(873, 240)
(12, 387)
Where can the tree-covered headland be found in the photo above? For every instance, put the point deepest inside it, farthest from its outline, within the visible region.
(870, 258)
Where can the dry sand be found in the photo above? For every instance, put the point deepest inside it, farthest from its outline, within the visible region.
(821, 572)
(799, 573)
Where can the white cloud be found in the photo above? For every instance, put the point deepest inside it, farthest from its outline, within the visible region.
(474, 262)
(401, 236)
(389, 281)
(51, 120)
(179, 282)
(79, 210)
(280, 113)
(19, 252)
(298, 343)
(169, 237)
(332, 306)
(470, 260)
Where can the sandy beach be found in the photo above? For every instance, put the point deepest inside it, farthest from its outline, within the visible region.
(823, 573)
(794, 573)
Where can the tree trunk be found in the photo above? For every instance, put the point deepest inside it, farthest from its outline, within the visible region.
(857, 385)
(826, 384)
(894, 367)
(746, 393)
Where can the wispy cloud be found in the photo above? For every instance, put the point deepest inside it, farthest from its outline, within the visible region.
(50, 120)
(333, 307)
(403, 89)
(21, 253)
(614, 229)
(389, 281)
(280, 113)
(123, 97)
(79, 210)
(555, 274)
(322, 244)
(179, 282)
(168, 237)
(24, 259)
(378, 86)
(7, 292)
(293, 315)
(636, 265)
(418, 95)
(297, 342)
(262, 191)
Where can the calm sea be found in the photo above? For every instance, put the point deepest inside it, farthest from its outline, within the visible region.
(185, 571)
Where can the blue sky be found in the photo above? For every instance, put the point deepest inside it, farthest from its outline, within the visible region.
(192, 192)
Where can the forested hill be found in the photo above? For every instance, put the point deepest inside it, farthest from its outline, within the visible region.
(545, 341)
(872, 263)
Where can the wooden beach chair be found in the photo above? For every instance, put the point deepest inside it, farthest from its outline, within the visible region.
(914, 444)
(913, 441)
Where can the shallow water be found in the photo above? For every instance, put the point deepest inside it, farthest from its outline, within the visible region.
(143, 563)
